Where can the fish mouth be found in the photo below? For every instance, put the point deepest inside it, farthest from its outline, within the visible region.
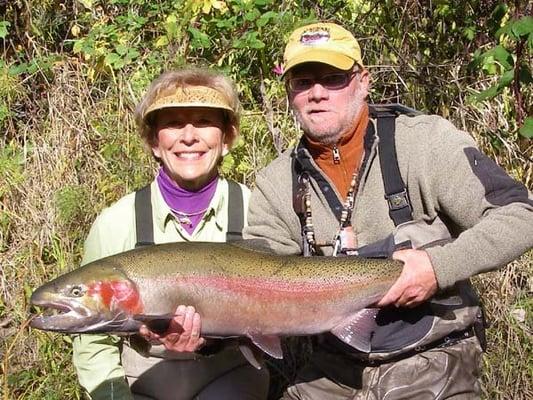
(62, 317)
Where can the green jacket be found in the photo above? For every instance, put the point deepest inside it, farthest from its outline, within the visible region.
(97, 358)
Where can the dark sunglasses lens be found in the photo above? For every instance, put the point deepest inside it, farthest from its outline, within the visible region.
(335, 81)
(300, 84)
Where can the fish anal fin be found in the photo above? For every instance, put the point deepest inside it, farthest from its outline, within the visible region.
(158, 323)
(270, 344)
(357, 330)
(250, 355)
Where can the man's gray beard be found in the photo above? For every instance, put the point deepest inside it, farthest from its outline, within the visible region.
(333, 135)
(325, 137)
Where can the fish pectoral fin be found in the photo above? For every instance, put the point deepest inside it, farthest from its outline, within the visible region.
(270, 344)
(357, 330)
(158, 323)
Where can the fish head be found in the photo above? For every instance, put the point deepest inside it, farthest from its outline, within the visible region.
(94, 298)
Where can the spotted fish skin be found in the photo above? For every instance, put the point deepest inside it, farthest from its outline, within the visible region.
(238, 291)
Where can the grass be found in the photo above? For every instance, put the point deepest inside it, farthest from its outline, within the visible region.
(508, 364)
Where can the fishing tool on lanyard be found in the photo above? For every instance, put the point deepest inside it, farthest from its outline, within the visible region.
(345, 240)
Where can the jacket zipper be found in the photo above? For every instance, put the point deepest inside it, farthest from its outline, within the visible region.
(336, 155)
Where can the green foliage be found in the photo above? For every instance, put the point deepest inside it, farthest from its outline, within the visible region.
(527, 129)
(4, 25)
(13, 176)
(507, 60)
(12, 167)
(9, 86)
(71, 203)
(54, 380)
(5, 225)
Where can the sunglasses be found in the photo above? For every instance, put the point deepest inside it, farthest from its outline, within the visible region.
(334, 81)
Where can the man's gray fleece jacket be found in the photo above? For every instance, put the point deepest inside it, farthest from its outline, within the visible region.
(450, 182)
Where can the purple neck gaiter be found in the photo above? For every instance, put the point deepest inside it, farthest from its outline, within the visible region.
(189, 207)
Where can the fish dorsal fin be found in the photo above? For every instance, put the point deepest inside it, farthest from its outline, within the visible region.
(357, 330)
(270, 344)
(157, 323)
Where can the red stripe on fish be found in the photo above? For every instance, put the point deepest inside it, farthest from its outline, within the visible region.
(271, 287)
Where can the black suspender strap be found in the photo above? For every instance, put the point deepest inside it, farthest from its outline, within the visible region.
(235, 212)
(395, 189)
(144, 224)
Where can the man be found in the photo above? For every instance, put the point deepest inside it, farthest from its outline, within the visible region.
(455, 214)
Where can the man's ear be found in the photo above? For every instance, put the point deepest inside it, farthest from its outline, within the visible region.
(364, 82)
(364, 75)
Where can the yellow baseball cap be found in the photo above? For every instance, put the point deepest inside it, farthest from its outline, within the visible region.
(191, 96)
(324, 43)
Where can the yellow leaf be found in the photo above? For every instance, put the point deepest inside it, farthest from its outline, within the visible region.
(171, 19)
(220, 5)
(75, 30)
(161, 41)
(87, 3)
(206, 8)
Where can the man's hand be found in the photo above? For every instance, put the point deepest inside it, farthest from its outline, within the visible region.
(416, 283)
(186, 319)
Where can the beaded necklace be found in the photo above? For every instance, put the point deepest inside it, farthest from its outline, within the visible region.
(344, 239)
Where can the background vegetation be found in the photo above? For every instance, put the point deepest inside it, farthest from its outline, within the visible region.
(71, 73)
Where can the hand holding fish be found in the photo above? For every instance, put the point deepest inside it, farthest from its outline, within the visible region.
(183, 334)
(417, 282)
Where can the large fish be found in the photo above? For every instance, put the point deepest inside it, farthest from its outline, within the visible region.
(237, 291)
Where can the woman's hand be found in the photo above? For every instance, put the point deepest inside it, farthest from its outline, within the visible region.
(183, 334)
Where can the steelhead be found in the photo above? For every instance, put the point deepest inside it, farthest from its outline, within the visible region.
(238, 291)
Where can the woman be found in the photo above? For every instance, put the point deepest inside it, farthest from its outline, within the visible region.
(189, 119)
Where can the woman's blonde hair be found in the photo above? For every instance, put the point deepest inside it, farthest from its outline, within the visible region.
(168, 83)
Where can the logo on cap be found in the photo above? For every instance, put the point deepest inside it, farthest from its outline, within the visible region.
(314, 37)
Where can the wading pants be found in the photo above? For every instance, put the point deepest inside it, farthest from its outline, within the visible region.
(441, 373)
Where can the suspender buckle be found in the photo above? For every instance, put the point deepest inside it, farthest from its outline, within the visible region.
(399, 200)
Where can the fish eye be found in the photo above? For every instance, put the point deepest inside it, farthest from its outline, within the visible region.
(76, 291)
